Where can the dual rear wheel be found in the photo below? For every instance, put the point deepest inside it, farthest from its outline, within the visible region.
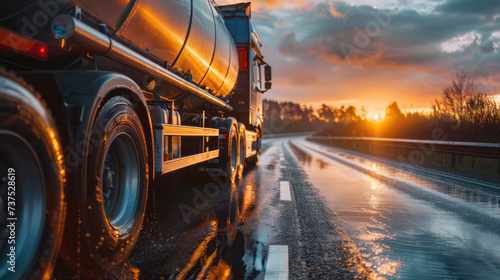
(235, 158)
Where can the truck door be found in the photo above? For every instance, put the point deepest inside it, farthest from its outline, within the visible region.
(257, 85)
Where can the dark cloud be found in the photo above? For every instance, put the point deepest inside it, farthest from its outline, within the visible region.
(482, 7)
(341, 51)
(487, 48)
(379, 38)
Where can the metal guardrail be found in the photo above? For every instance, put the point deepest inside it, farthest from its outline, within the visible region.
(280, 135)
(491, 150)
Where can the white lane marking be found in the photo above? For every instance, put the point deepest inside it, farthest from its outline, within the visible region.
(285, 191)
(277, 263)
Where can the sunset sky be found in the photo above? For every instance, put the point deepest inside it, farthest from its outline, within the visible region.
(361, 52)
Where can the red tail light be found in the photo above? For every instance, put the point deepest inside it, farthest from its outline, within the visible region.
(222, 139)
(17, 43)
(38, 50)
(243, 56)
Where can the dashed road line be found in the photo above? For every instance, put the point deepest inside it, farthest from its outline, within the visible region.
(277, 263)
(285, 191)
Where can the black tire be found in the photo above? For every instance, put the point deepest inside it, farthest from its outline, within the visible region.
(117, 184)
(230, 156)
(242, 143)
(30, 145)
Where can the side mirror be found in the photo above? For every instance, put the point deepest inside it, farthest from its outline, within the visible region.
(269, 85)
(268, 74)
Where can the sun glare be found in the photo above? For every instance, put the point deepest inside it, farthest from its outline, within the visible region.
(376, 117)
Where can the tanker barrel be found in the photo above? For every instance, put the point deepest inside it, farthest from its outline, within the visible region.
(65, 27)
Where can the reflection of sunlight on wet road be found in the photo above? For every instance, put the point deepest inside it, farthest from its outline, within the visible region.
(220, 272)
(360, 208)
(220, 254)
(487, 199)
(201, 252)
(248, 200)
(399, 236)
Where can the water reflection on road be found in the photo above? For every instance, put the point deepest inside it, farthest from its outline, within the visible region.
(398, 235)
(194, 232)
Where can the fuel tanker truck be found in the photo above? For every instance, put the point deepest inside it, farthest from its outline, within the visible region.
(99, 98)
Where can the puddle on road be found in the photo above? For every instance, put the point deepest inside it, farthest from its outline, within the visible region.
(399, 236)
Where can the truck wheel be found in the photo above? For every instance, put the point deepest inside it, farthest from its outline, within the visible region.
(117, 184)
(31, 183)
(232, 154)
(242, 144)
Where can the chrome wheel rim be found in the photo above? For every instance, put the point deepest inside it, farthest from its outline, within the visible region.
(120, 181)
(242, 150)
(234, 152)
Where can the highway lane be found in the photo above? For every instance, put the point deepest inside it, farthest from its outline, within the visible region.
(314, 212)
(408, 222)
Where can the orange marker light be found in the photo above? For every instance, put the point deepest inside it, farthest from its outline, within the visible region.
(20, 44)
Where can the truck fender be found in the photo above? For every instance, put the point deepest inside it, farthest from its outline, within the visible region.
(85, 92)
(258, 126)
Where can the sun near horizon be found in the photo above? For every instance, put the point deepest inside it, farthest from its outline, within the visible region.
(356, 53)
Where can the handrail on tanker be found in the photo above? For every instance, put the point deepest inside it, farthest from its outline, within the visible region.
(66, 27)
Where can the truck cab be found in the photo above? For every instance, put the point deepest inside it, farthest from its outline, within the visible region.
(254, 76)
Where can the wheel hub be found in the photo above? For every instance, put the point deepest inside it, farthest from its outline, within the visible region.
(120, 177)
(234, 152)
(107, 180)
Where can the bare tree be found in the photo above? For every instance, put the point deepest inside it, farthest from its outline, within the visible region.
(461, 99)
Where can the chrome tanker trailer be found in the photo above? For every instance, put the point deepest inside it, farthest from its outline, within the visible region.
(97, 99)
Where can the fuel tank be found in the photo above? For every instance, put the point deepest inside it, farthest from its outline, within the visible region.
(188, 36)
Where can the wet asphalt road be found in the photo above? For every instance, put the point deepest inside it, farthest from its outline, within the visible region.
(350, 216)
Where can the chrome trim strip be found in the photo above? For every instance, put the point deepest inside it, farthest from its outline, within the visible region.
(180, 163)
(176, 130)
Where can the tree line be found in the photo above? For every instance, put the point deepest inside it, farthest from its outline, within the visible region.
(464, 112)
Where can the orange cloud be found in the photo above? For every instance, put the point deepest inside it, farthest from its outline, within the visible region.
(306, 43)
(334, 12)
